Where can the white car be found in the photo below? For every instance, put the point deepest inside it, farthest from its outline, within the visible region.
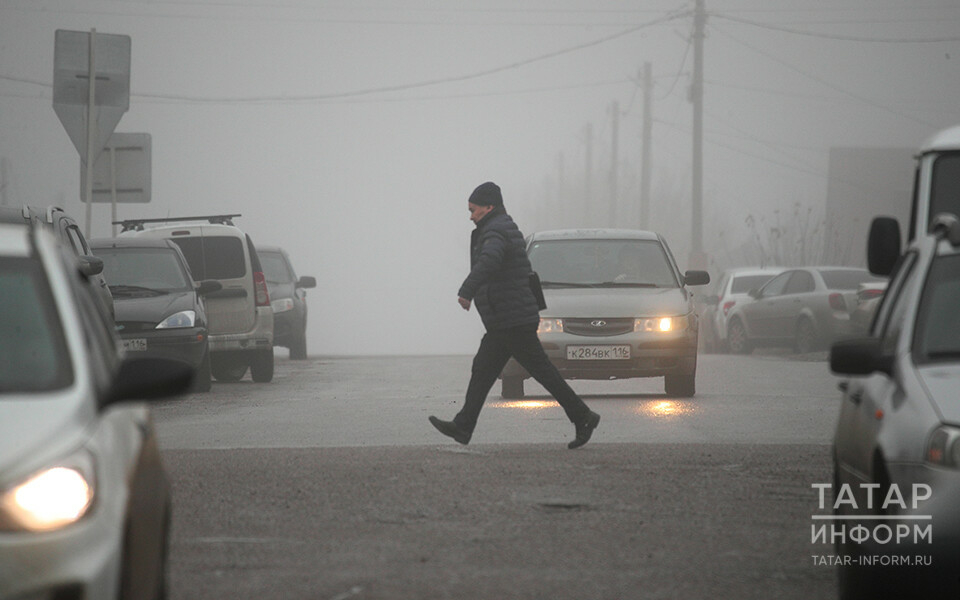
(84, 500)
(733, 287)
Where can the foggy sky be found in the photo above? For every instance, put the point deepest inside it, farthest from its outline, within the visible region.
(351, 133)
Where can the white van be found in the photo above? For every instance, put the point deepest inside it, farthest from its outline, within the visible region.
(936, 191)
(239, 315)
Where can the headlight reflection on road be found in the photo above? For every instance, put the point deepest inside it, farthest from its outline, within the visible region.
(665, 409)
(525, 404)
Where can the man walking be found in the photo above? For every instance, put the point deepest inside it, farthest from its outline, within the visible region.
(499, 284)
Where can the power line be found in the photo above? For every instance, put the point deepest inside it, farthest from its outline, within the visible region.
(829, 36)
(823, 82)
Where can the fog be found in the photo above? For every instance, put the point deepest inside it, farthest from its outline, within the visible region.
(351, 133)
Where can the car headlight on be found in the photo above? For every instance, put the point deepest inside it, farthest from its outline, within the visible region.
(550, 326)
(282, 305)
(943, 447)
(184, 318)
(661, 324)
(49, 499)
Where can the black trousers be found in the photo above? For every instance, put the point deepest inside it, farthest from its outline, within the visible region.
(521, 343)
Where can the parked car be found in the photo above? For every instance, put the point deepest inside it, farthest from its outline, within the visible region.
(65, 228)
(869, 295)
(805, 308)
(84, 499)
(733, 286)
(898, 432)
(617, 307)
(288, 297)
(159, 310)
(239, 316)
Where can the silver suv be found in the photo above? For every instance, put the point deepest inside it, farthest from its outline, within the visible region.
(239, 316)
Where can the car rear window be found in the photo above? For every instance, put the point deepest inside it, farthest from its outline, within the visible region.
(744, 283)
(33, 355)
(275, 267)
(846, 279)
(213, 257)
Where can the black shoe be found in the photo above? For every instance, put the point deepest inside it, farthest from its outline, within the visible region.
(585, 430)
(450, 429)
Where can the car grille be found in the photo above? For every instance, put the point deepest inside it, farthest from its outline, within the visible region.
(598, 327)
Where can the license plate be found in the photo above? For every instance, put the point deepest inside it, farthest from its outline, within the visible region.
(598, 352)
(135, 345)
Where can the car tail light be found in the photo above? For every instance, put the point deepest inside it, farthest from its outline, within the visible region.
(837, 302)
(260, 289)
(727, 306)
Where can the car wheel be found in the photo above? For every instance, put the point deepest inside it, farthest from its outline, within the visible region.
(805, 338)
(261, 366)
(737, 340)
(201, 381)
(226, 369)
(512, 388)
(298, 347)
(683, 385)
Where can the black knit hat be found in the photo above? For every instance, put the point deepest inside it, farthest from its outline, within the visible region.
(487, 194)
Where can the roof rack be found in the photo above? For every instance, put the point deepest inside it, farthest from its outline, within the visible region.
(137, 224)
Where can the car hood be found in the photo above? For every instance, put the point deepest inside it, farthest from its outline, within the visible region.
(152, 309)
(34, 427)
(942, 382)
(612, 303)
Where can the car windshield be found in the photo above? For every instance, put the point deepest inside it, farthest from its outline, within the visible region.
(846, 279)
(602, 263)
(938, 321)
(275, 268)
(133, 270)
(744, 283)
(33, 355)
(213, 257)
(945, 185)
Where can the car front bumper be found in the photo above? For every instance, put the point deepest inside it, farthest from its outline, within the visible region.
(651, 355)
(187, 344)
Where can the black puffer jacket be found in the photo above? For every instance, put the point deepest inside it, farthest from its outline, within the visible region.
(499, 282)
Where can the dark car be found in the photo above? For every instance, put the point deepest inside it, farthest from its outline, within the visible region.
(805, 309)
(897, 439)
(159, 311)
(85, 502)
(617, 307)
(288, 299)
(67, 231)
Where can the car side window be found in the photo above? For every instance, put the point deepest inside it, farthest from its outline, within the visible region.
(889, 319)
(776, 286)
(800, 282)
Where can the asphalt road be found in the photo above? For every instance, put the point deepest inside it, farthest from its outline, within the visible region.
(330, 484)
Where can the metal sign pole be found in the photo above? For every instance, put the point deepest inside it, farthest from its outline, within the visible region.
(113, 188)
(91, 135)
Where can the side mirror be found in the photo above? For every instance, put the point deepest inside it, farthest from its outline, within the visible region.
(90, 265)
(883, 245)
(859, 356)
(307, 282)
(696, 278)
(150, 378)
(209, 286)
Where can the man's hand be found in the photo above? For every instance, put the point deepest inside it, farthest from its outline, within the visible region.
(464, 303)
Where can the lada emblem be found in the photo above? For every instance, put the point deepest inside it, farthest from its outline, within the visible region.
(598, 323)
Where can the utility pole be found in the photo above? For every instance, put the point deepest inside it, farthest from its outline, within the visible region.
(614, 192)
(697, 258)
(647, 149)
(4, 182)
